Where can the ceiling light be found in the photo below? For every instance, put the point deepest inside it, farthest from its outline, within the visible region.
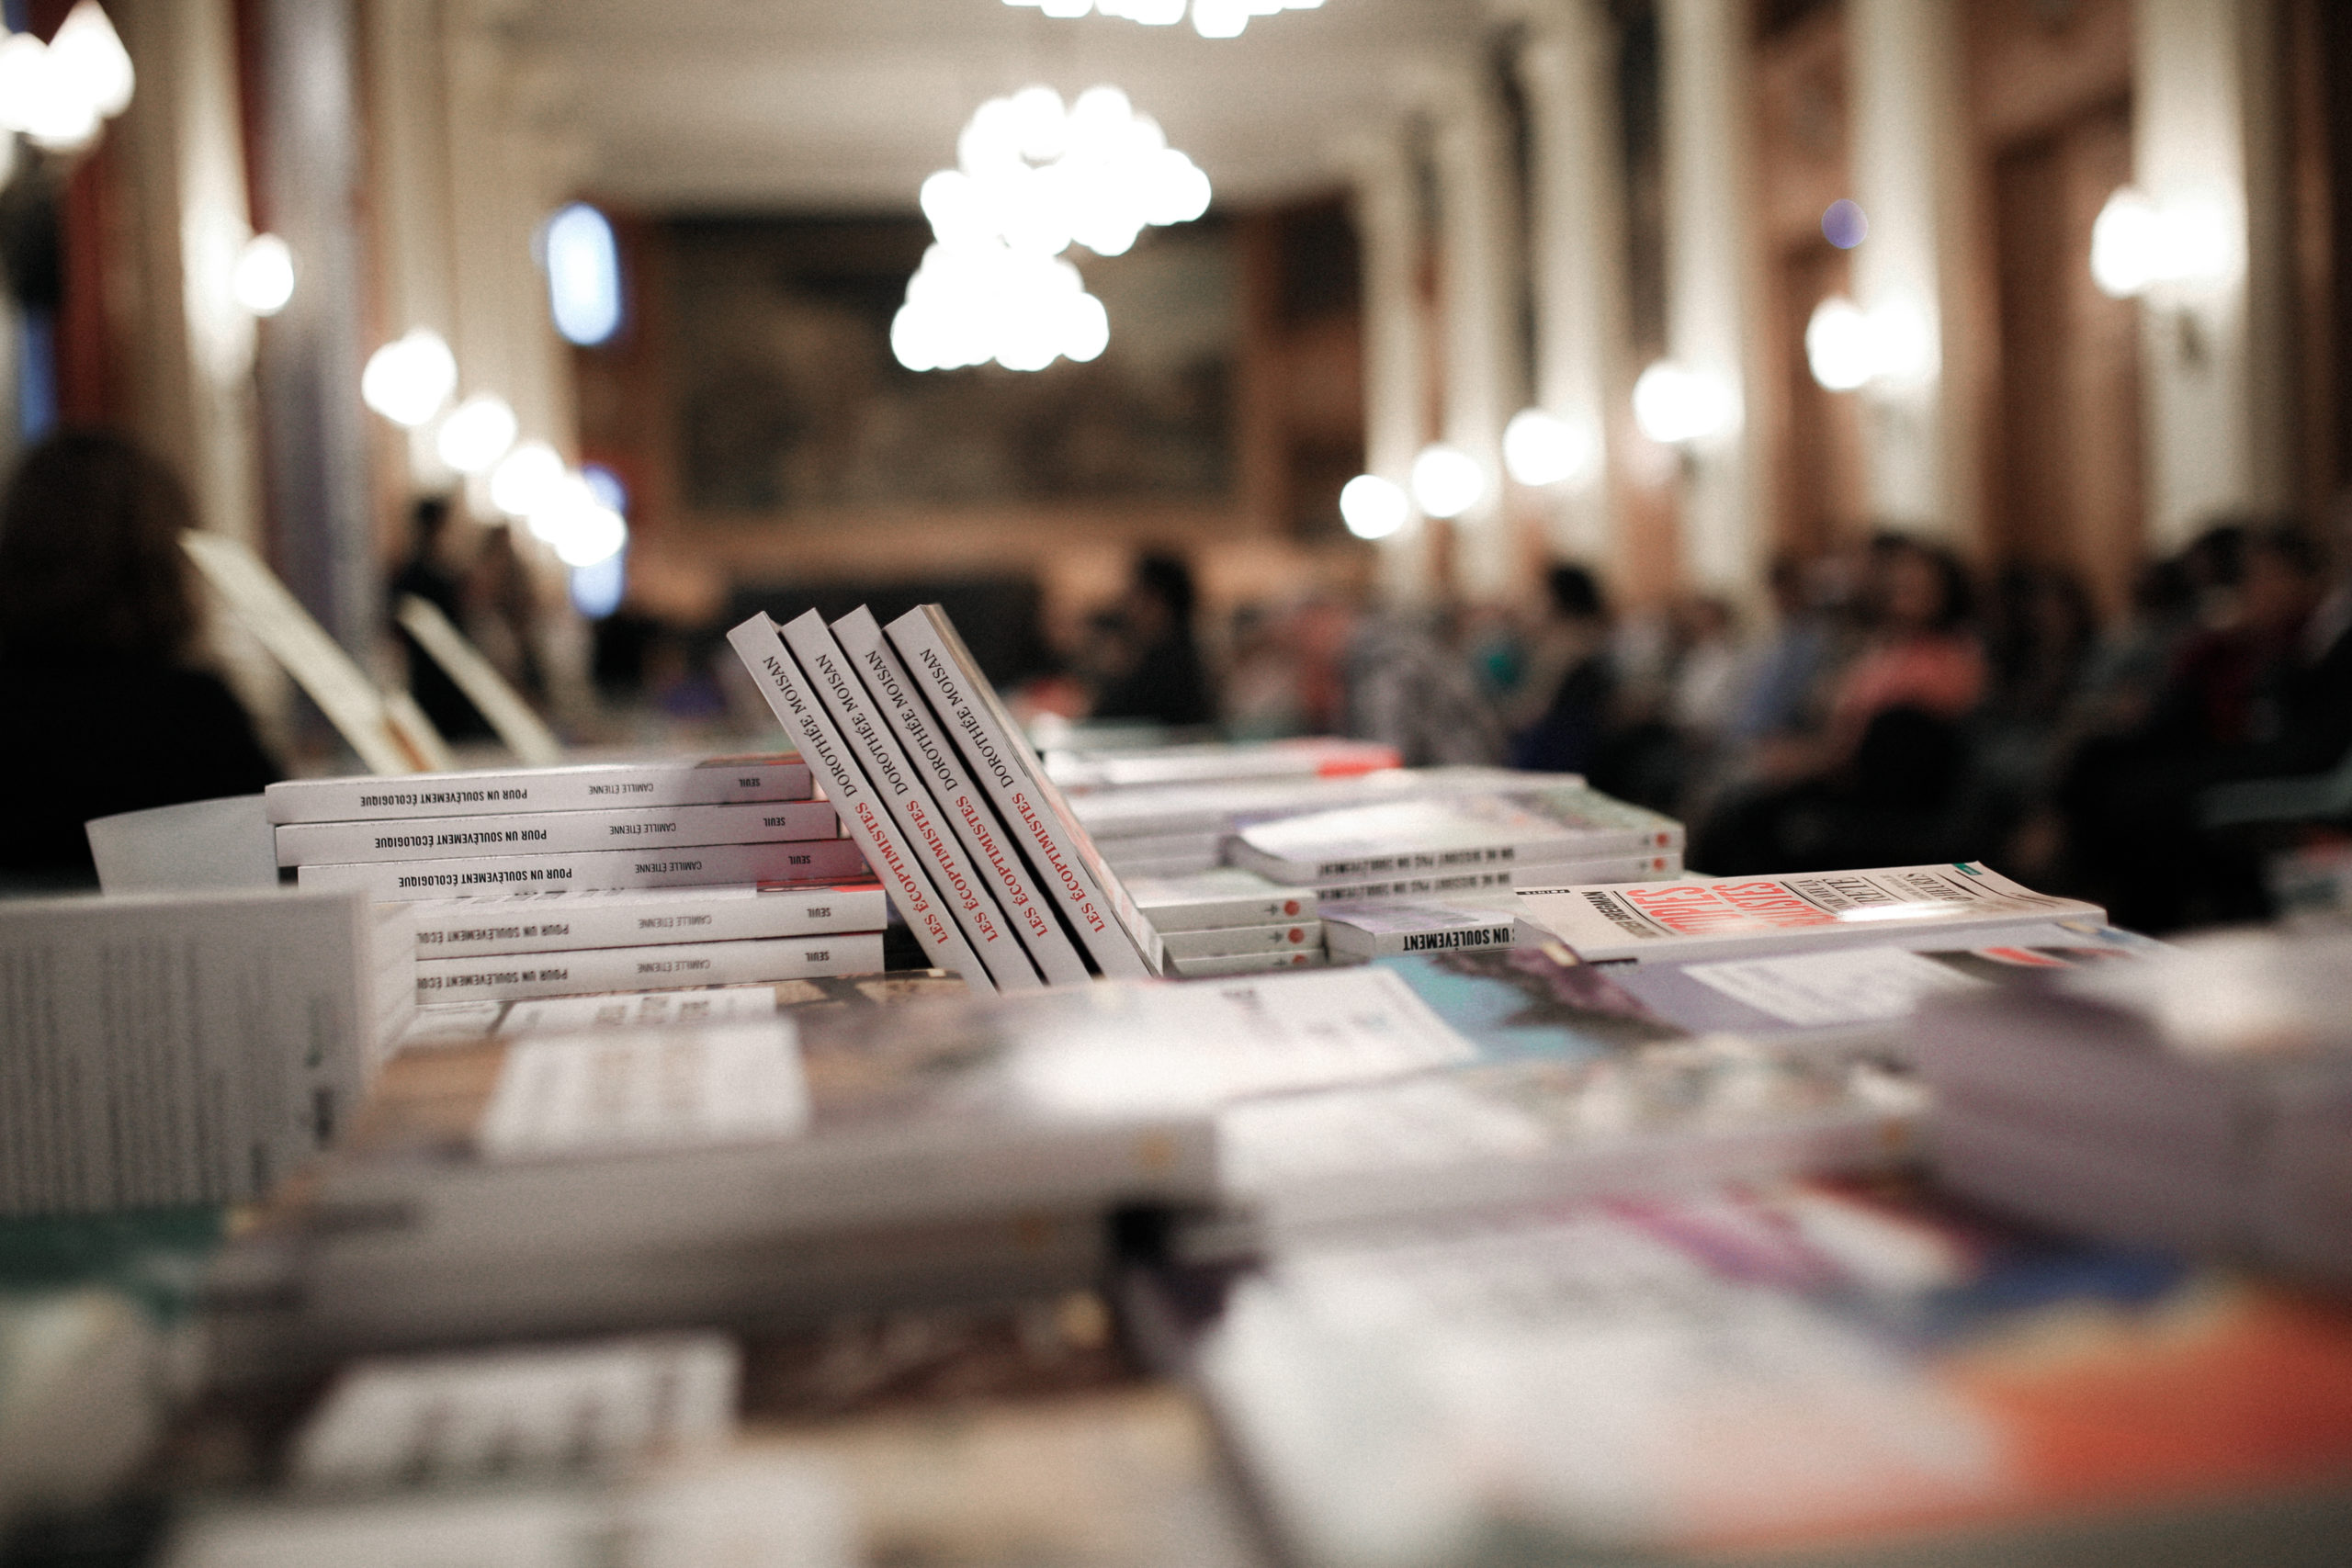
(1371, 507)
(407, 380)
(1447, 481)
(1542, 448)
(2138, 244)
(477, 434)
(263, 275)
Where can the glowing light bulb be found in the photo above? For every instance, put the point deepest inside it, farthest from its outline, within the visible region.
(526, 478)
(583, 262)
(87, 53)
(1371, 507)
(1542, 448)
(1837, 346)
(1674, 405)
(407, 380)
(1447, 481)
(477, 434)
(263, 277)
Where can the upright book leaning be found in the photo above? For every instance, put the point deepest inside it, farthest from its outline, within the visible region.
(788, 695)
(1057, 846)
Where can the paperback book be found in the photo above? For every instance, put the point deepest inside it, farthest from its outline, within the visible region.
(560, 921)
(784, 687)
(961, 799)
(556, 832)
(713, 781)
(963, 886)
(1693, 919)
(1226, 897)
(784, 862)
(581, 971)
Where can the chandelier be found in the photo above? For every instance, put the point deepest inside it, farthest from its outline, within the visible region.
(1034, 178)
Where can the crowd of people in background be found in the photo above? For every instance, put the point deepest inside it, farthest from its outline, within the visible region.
(1886, 706)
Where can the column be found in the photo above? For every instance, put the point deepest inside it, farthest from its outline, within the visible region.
(196, 343)
(1386, 187)
(1708, 136)
(1477, 278)
(1567, 70)
(410, 166)
(1909, 135)
(314, 430)
(2208, 153)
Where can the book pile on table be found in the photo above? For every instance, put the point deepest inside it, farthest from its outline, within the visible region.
(942, 793)
(547, 881)
(2202, 1100)
(1227, 923)
(1609, 1244)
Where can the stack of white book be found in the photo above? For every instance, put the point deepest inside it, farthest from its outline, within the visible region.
(1229, 921)
(546, 881)
(943, 794)
(1165, 828)
(1563, 834)
(2201, 1099)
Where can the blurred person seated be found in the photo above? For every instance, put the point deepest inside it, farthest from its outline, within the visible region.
(1156, 672)
(1885, 779)
(428, 575)
(2266, 692)
(1571, 678)
(100, 626)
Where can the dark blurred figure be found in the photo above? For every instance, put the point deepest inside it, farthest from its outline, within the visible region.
(2265, 692)
(1159, 675)
(426, 575)
(1887, 779)
(99, 624)
(503, 612)
(1570, 660)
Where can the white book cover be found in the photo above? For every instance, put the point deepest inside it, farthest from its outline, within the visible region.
(687, 781)
(1405, 838)
(638, 1010)
(1228, 941)
(963, 886)
(788, 861)
(1382, 928)
(784, 687)
(176, 1048)
(1603, 824)
(516, 976)
(1735, 915)
(553, 922)
(1226, 896)
(1222, 808)
(961, 799)
(556, 832)
(1061, 852)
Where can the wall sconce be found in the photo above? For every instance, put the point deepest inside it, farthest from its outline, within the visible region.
(1447, 481)
(1675, 405)
(2139, 245)
(1374, 508)
(1850, 349)
(1542, 448)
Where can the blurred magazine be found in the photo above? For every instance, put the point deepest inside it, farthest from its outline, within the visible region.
(1808, 1373)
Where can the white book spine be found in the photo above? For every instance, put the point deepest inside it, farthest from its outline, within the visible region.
(520, 976)
(787, 861)
(961, 799)
(785, 689)
(999, 760)
(921, 824)
(1245, 963)
(1295, 936)
(1346, 940)
(1213, 913)
(722, 781)
(554, 923)
(556, 832)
